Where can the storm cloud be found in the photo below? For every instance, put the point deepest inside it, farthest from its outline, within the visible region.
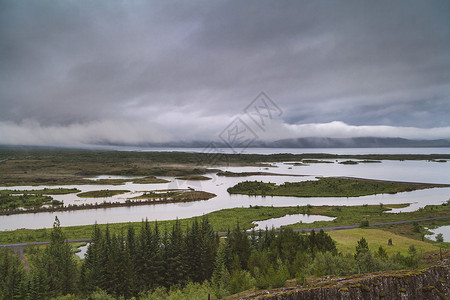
(88, 72)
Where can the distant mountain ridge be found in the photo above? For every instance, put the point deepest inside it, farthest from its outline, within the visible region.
(309, 142)
(358, 142)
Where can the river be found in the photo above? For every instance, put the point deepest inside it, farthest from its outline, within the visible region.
(413, 171)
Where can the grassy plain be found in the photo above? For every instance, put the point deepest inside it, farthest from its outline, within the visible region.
(347, 240)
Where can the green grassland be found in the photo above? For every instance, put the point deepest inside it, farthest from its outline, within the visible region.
(224, 219)
(354, 215)
(346, 241)
(326, 187)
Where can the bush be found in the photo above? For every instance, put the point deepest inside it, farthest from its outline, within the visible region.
(240, 281)
(440, 238)
(364, 224)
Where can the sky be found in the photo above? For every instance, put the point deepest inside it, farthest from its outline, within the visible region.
(134, 72)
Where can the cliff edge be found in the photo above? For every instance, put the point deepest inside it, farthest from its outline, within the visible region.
(429, 283)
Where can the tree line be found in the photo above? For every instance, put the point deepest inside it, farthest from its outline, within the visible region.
(157, 264)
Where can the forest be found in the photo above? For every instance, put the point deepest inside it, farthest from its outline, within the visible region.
(156, 263)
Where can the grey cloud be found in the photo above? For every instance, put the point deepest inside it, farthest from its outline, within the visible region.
(78, 63)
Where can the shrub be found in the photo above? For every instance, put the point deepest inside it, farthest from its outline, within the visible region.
(440, 238)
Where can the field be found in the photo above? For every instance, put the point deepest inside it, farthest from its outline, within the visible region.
(347, 241)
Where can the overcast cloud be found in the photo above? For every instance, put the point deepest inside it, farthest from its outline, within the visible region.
(84, 72)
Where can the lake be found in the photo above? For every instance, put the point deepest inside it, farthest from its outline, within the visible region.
(412, 171)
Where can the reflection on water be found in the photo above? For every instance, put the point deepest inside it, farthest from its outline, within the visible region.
(290, 219)
(417, 171)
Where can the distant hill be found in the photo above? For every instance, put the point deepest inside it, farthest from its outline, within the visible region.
(359, 142)
(311, 142)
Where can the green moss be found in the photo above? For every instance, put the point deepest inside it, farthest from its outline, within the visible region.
(365, 288)
(403, 290)
(428, 288)
(441, 295)
(344, 289)
(382, 294)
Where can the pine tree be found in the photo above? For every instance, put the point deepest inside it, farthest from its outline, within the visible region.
(132, 254)
(221, 275)
(176, 257)
(59, 264)
(210, 245)
(362, 247)
(12, 274)
(195, 244)
(240, 246)
(91, 271)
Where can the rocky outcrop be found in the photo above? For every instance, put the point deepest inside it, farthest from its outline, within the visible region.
(430, 283)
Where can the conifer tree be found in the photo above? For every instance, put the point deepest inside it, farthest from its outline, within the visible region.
(176, 256)
(12, 274)
(92, 267)
(132, 254)
(240, 246)
(59, 264)
(362, 247)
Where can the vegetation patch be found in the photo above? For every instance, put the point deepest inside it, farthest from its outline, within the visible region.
(149, 179)
(224, 219)
(348, 162)
(316, 161)
(46, 191)
(176, 195)
(326, 187)
(10, 202)
(102, 193)
(246, 174)
(346, 241)
(194, 177)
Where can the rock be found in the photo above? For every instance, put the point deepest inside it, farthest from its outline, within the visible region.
(431, 283)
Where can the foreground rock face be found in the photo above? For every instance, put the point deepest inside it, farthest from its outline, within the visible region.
(430, 283)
